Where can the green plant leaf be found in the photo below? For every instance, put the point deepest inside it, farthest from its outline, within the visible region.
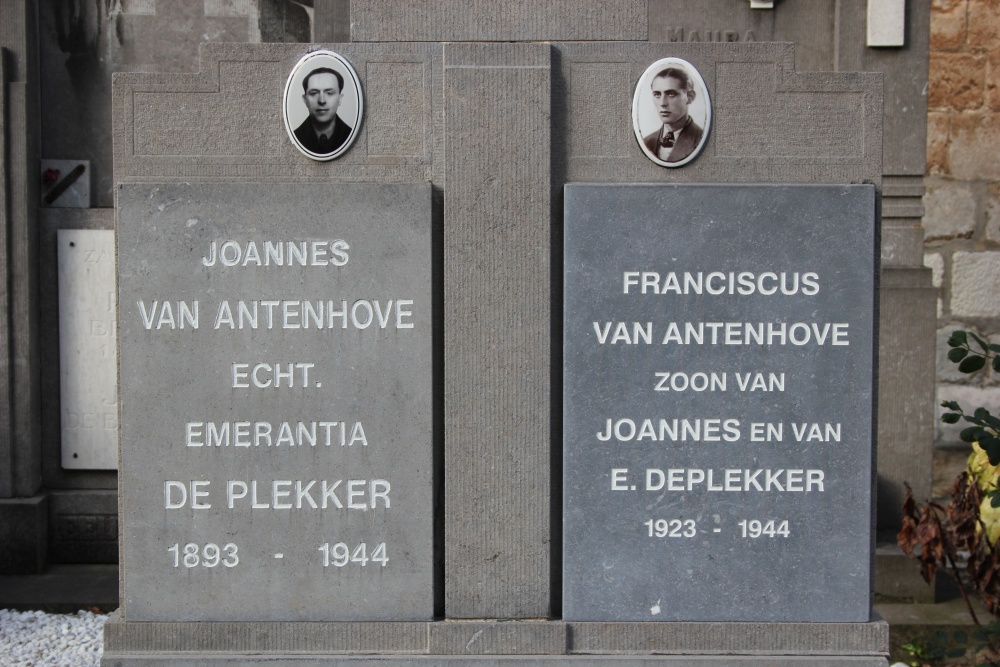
(981, 414)
(994, 347)
(972, 363)
(957, 338)
(951, 405)
(996, 364)
(989, 441)
(956, 354)
(992, 452)
(970, 434)
(982, 343)
(951, 417)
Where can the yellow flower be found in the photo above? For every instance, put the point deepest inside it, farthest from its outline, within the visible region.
(980, 470)
(990, 517)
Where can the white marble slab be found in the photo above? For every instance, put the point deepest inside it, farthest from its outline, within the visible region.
(88, 349)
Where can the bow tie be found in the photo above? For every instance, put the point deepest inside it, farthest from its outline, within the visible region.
(667, 141)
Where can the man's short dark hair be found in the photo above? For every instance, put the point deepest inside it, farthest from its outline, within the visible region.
(675, 73)
(323, 70)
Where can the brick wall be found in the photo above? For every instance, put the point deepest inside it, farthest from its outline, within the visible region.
(962, 220)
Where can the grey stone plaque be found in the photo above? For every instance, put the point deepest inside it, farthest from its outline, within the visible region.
(718, 399)
(276, 436)
(88, 373)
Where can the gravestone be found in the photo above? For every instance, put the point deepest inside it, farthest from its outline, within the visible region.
(496, 172)
(718, 402)
(276, 413)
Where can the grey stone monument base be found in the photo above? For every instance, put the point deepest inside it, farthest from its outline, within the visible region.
(484, 643)
(24, 534)
(206, 660)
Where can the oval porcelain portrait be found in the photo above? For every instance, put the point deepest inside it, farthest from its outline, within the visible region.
(671, 112)
(323, 105)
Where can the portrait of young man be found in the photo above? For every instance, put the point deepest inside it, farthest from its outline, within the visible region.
(665, 117)
(322, 119)
(323, 131)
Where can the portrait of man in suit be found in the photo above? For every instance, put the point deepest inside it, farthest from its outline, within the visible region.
(669, 125)
(679, 135)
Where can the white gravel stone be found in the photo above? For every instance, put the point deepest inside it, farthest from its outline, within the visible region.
(37, 639)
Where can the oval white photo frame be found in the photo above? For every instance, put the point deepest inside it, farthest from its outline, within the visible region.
(350, 109)
(646, 122)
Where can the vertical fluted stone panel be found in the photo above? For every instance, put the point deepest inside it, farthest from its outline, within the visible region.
(906, 390)
(6, 444)
(23, 511)
(18, 256)
(497, 330)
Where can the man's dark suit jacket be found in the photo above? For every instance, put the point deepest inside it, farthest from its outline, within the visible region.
(311, 142)
(684, 146)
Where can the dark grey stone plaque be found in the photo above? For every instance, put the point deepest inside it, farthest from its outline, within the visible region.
(718, 402)
(275, 370)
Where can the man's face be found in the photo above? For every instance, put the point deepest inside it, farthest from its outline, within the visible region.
(671, 100)
(322, 97)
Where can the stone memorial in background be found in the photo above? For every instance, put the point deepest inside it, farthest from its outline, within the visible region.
(88, 365)
(718, 402)
(491, 132)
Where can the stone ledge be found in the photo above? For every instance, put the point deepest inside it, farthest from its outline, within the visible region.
(498, 638)
(731, 638)
(215, 660)
(269, 638)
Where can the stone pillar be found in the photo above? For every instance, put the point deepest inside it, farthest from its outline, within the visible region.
(497, 326)
(908, 299)
(23, 509)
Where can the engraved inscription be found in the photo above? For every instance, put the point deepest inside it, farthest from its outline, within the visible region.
(85, 527)
(276, 418)
(88, 349)
(702, 35)
(718, 401)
